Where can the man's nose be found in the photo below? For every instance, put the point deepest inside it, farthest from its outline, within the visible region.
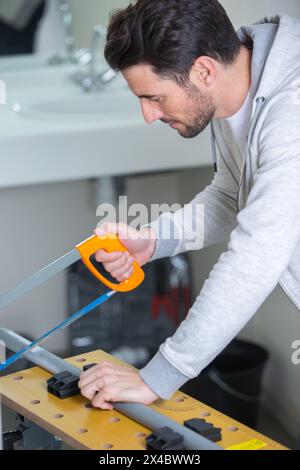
(151, 112)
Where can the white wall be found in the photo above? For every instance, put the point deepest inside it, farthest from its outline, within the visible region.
(50, 34)
(246, 12)
(40, 224)
(88, 13)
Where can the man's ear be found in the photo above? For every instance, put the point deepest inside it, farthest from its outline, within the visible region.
(203, 72)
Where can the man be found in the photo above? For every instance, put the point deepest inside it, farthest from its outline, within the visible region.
(189, 68)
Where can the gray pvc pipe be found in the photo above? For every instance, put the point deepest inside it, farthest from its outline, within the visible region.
(153, 420)
(138, 412)
(37, 355)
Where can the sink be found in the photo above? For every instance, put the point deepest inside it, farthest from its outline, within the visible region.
(106, 103)
(22, 62)
(48, 93)
(39, 78)
(53, 131)
(84, 107)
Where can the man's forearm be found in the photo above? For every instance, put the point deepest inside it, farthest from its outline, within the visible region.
(207, 220)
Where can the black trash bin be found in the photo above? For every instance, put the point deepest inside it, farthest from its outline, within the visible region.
(232, 382)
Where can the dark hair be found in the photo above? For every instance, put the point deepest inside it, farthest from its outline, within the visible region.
(170, 35)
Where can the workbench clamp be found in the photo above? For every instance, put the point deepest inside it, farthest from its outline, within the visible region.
(63, 385)
(208, 430)
(164, 439)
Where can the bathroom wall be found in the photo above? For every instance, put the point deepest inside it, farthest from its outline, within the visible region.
(40, 224)
(87, 13)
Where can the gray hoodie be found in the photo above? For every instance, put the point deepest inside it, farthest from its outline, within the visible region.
(257, 209)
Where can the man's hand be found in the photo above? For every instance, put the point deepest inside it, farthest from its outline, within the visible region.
(140, 246)
(108, 382)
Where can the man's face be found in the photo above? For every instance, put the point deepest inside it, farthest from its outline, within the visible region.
(185, 109)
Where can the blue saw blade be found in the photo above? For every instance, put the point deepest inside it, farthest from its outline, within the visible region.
(84, 311)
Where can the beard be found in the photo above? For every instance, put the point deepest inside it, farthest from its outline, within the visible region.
(200, 112)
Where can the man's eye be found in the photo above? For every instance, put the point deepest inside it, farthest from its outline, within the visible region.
(157, 100)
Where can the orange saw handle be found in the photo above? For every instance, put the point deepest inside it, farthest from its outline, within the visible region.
(109, 243)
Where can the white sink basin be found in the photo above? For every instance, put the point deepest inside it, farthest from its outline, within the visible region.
(51, 130)
(49, 93)
(93, 106)
(84, 108)
(22, 62)
(43, 81)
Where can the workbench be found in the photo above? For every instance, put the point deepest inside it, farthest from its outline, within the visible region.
(78, 424)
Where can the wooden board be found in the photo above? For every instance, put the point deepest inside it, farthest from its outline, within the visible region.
(83, 427)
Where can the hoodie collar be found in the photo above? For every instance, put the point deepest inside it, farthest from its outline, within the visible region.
(261, 36)
(275, 49)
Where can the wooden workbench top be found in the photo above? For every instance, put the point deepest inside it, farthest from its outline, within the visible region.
(84, 427)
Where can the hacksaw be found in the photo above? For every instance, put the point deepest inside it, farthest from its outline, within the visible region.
(83, 251)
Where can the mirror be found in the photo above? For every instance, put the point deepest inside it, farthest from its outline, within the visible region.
(51, 26)
(19, 21)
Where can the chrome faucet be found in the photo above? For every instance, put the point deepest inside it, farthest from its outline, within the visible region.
(70, 55)
(92, 79)
(68, 27)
